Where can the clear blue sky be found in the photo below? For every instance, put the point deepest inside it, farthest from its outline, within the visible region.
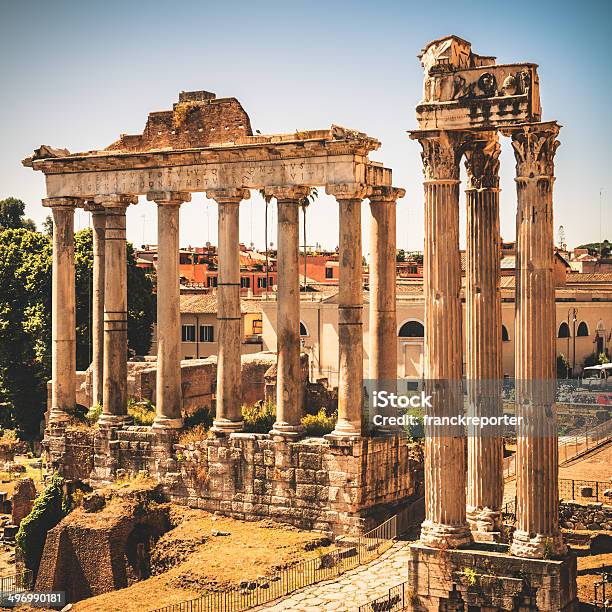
(76, 74)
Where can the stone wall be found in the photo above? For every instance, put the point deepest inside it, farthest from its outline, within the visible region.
(578, 515)
(474, 579)
(334, 487)
(331, 486)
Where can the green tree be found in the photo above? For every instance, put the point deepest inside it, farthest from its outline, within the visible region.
(25, 320)
(47, 225)
(25, 327)
(12, 211)
(305, 202)
(141, 301)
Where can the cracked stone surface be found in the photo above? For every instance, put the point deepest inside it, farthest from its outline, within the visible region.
(352, 589)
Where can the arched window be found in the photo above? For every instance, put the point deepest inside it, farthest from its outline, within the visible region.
(564, 331)
(303, 330)
(412, 329)
(583, 329)
(505, 336)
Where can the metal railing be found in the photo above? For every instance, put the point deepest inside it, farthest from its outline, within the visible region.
(397, 598)
(569, 490)
(571, 445)
(349, 554)
(602, 593)
(16, 582)
(583, 490)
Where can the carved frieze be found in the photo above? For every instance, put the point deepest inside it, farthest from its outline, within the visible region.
(482, 151)
(534, 146)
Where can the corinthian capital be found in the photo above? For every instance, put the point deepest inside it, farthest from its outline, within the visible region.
(482, 151)
(534, 148)
(441, 153)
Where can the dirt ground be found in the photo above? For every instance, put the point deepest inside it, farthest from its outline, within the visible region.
(198, 562)
(593, 466)
(590, 568)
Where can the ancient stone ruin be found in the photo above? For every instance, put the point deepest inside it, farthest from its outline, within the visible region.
(354, 476)
(467, 100)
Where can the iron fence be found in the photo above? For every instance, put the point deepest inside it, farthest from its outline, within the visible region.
(396, 599)
(571, 444)
(602, 593)
(350, 553)
(569, 490)
(15, 582)
(583, 490)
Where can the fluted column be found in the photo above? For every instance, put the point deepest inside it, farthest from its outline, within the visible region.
(289, 380)
(537, 532)
(445, 521)
(169, 396)
(485, 489)
(350, 306)
(63, 310)
(228, 416)
(382, 275)
(114, 404)
(98, 218)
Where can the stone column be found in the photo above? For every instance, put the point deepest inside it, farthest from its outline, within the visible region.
(537, 532)
(98, 218)
(289, 379)
(169, 397)
(445, 523)
(63, 311)
(382, 282)
(114, 405)
(485, 490)
(350, 306)
(228, 417)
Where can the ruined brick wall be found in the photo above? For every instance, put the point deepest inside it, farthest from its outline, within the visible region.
(199, 377)
(88, 553)
(199, 119)
(22, 500)
(78, 453)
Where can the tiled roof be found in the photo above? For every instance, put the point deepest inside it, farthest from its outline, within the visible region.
(206, 303)
(589, 277)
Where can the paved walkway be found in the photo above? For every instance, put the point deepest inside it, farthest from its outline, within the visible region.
(352, 589)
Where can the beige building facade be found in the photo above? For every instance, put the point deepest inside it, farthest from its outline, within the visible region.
(319, 329)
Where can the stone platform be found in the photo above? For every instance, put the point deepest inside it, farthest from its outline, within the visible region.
(335, 486)
(484, 577)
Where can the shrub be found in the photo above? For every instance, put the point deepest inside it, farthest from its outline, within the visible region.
(317, 425)
(194, 434)
(201, 416)
(259, 418)
(93, 414)
(143, 413)
(49, 509)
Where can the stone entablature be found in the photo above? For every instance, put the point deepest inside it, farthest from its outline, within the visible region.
(314, 158)
(464, 90)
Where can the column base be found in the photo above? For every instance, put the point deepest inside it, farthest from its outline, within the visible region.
(225, 427)
(287, 431)
(58, 417)
(537, 547)
(345, 430)
(484, 523)
(437, 535)
(167, 423)
(114, 420)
